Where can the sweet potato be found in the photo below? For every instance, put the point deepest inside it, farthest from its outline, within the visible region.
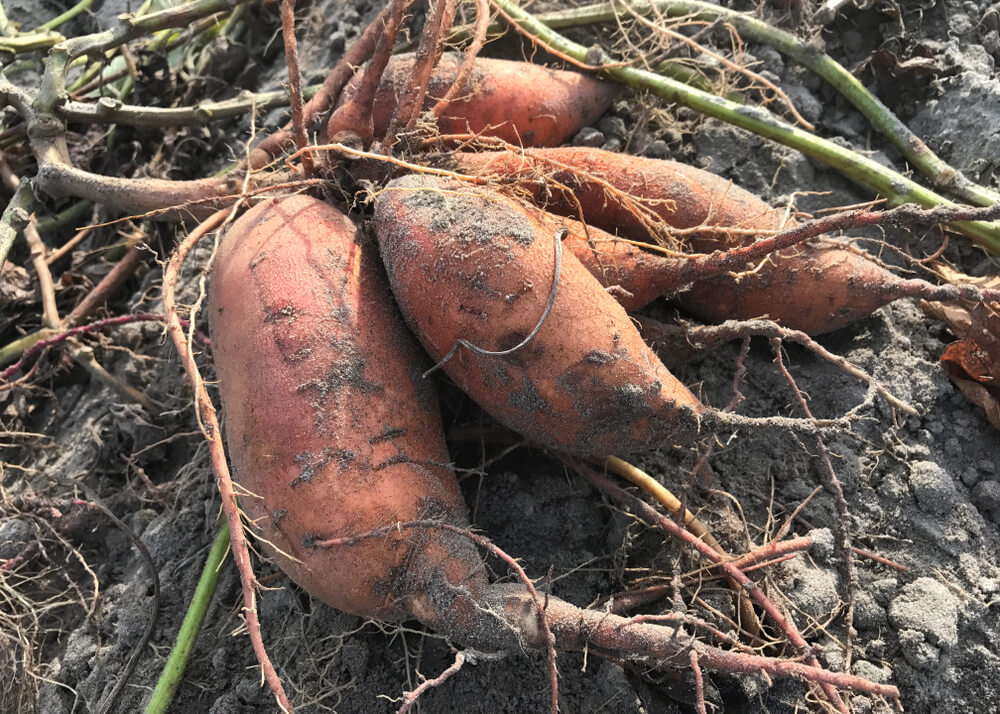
(333, 432)
(330, 427)
(495, 102)
(468, 265)
(634, 277)
(815, 287)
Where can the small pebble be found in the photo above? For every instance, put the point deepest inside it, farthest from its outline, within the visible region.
(872, 672)
(986, 495)
(613, 126)
(657, 149)
(220, 659)
(959, 24)
(919, 653)
(770, 59)
(970, 477)
(989, 586)
(804, 101)
(337, 42)
(613, 144)
(933, 487)
(991, 42)
(247, 690)
(868, 614)
(861, 705)
(926, 606)
(822, 548)
(969, 565)
(588, 136)
(814, 590)
(672, 135)
(15, 535)
(852, 41)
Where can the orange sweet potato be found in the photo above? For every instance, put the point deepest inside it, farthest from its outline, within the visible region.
(635, 277)
(333, 432)
(329, 424)
(465, 264)
(495, 103)
(815, 287)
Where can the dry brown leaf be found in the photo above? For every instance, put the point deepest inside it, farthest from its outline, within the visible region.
(16, 285)
(973, 362)
(979, 394)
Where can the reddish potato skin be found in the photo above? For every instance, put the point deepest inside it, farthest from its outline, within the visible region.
(634, 277)
(495, 102)
(812, 287)
(465, 264)
(328, 421)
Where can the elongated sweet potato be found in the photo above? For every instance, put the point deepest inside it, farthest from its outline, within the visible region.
(814, 287)
(328, 421)
(519, 102)
(468, 265)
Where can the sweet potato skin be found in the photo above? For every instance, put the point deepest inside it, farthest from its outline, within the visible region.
(328, 421)
(633, 276)
(814, 287)
(465, 264)
(494, 102)
(683, 196)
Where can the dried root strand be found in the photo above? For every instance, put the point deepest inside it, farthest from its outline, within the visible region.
(354, 117)
(557, 625)
(326, 97)
(294, 80)
(650, 515)
(213, 434)
(410, 698)
(428, 55)
(468, 61)
(843, 515)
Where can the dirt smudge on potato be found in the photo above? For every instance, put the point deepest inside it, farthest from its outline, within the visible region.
(387, 434)
(528, 399)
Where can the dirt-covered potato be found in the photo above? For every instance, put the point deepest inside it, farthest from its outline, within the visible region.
(494, 102)
(331, 430)
(467, 264)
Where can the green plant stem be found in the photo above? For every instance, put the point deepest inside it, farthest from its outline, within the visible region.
(88, 74)
(53, 88)
(22, 65)
(29, 43)
(897, 189)
(107, 109)
(13, 350)
(199, 34)
(55, 22)
(66, 217)
(230, 27)
(943, 176)
(133, 26)
(109, 60)
(173, 670)
(5, 28)
(15, 217)
(116, 69)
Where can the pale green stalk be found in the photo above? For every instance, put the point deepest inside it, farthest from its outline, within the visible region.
(917, 153)
(173, 670)
(894, 187)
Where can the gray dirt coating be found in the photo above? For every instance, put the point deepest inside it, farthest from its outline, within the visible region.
(923, 492)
